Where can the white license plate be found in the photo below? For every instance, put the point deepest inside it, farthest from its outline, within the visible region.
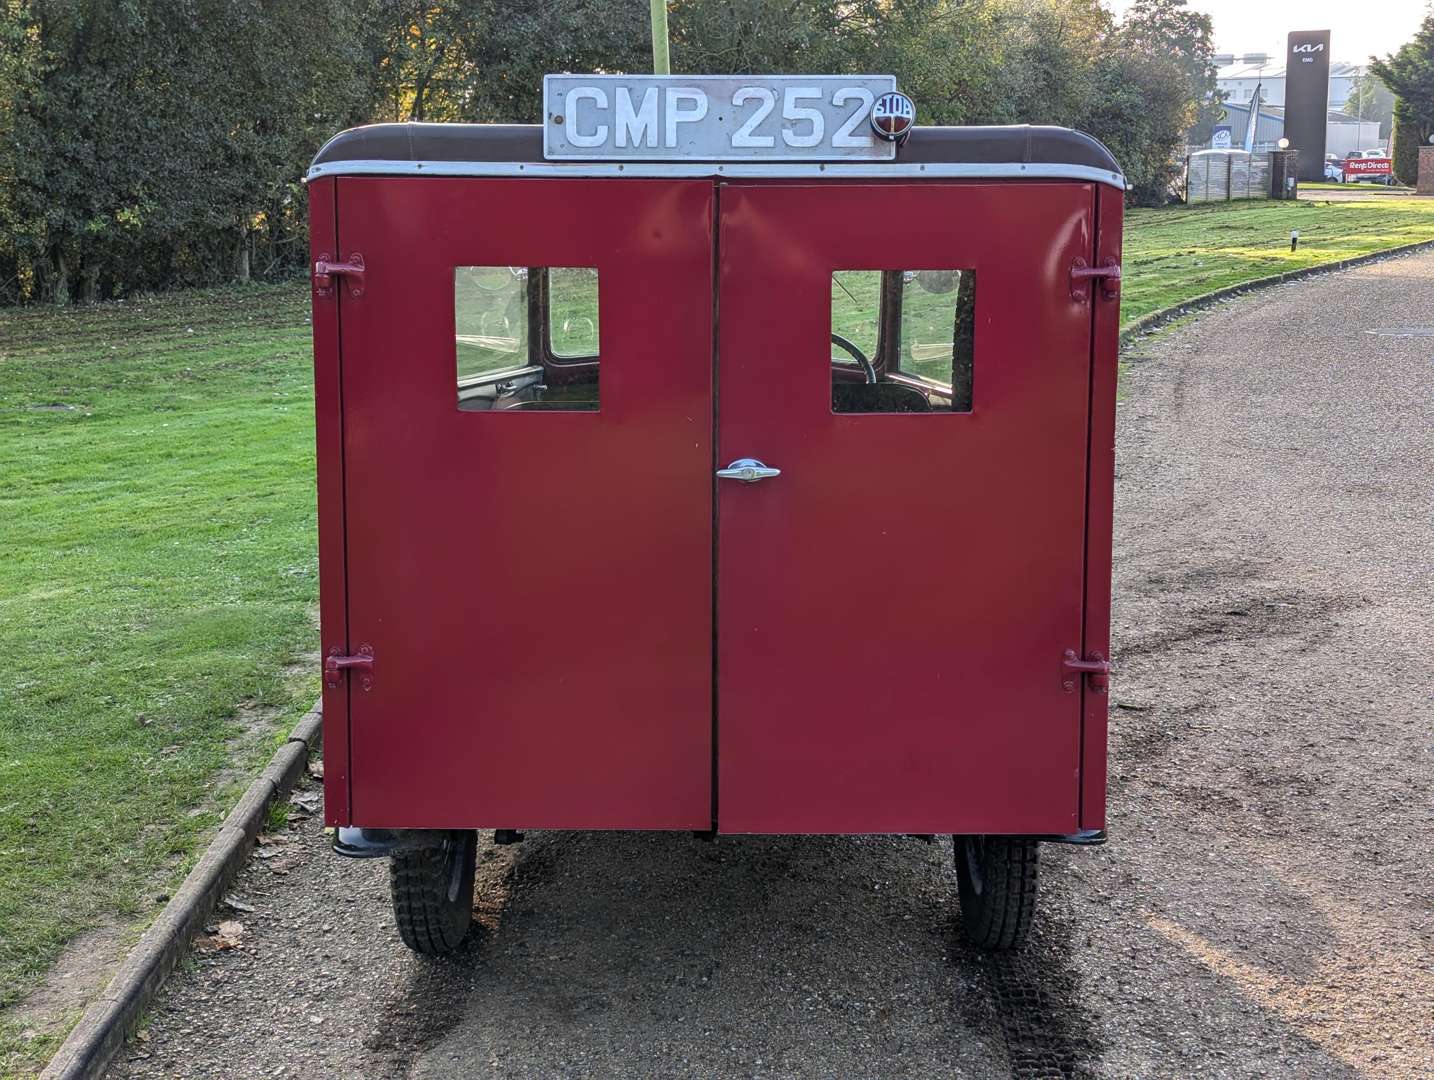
(713, 117)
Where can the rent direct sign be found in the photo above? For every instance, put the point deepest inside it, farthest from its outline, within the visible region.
(1370, 166)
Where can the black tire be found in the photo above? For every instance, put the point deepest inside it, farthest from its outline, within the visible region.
(433, 892)
(998, 880)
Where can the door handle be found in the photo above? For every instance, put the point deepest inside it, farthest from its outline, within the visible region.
(748, 470)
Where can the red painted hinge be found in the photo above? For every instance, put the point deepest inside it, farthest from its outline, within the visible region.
(336, 663)
(1097, 667)
(1107, 273)
(325, 270)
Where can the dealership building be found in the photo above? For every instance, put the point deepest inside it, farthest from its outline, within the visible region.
(1237, 80)
(1341, 133)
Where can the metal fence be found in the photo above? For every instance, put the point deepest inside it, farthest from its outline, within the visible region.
(1223, 175)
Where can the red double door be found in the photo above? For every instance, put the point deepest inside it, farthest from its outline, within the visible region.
(575, 624)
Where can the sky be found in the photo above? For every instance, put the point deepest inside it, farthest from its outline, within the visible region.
(1358, 27)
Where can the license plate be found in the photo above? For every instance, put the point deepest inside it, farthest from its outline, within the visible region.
(713, 117)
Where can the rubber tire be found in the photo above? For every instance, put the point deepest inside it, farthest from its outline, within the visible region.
(998, 909)
(433, 893)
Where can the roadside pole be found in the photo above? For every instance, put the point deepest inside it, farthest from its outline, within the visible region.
(660, 64)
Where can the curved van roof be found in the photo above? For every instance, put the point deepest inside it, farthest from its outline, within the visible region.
(1015, 152)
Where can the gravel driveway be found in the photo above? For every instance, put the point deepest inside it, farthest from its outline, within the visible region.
(1265, 905)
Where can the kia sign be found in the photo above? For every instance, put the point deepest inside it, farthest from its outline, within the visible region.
(1307, 98)
(1361, 168)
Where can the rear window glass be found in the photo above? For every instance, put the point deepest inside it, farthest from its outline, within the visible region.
(572, 311)
(526, 338)
(856, 303)
(903, 340)
(490, 318)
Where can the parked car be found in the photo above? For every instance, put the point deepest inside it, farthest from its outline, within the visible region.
(1334, 168)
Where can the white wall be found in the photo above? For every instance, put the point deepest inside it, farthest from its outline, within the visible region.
(1272, 90)
(1341, 88)
(1238, 88)
(1340, 139)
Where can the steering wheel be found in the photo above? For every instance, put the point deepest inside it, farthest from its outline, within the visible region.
(867, 368)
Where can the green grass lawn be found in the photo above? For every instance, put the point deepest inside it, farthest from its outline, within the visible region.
(158, 582)
(1361, 185)
(158, 579)
(1174, 255)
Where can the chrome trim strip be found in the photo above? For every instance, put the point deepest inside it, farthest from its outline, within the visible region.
(473, 385)
(1014, 170)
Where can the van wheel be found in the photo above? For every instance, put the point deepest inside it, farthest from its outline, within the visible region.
(997, 880)
(433, 892)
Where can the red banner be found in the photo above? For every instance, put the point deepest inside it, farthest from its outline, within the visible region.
(1370, 166)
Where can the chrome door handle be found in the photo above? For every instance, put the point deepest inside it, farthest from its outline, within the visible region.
(748, 470)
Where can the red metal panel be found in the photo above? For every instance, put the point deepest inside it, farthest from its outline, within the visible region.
(328, 431)
(1105, 349)
(894, 608)
(536, 586)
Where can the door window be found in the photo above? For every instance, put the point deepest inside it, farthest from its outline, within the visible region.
(903, 340)
(526, 338)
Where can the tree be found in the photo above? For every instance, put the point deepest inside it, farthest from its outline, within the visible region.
(148, 141)
(1409, 74)
(295, 74)
(1049, 55)
(1170, 28)
(484, 60)
(425, 58)
(152, 143)
(1371, 100)
(525, 41)
(948, 56)
(83, 139)
(1155, 82)
(1139, 111)
(18, 73)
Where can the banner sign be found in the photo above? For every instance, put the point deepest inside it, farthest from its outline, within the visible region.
(714, 117)
(1369, 166)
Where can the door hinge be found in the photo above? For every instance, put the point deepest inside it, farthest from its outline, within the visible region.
(1097, 667)
(325, 270)
(336, 663)
(1107, 274)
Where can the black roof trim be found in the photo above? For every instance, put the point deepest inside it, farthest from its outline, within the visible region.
(1022, 143)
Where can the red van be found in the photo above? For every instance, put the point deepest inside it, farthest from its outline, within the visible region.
(727, 496)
